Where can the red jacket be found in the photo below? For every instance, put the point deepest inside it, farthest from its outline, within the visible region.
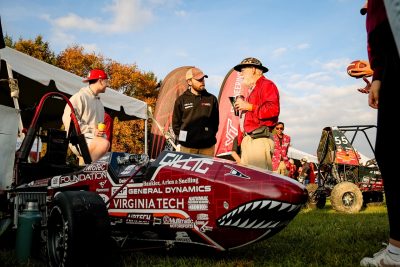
(265, 100)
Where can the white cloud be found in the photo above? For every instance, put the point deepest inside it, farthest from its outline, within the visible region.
(120, 17)
(336, 64)
(279, 51)
(303, 46)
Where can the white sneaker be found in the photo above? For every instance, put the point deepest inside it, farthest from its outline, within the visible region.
(380, 259)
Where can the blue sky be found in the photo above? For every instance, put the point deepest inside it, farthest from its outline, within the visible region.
(306, 44)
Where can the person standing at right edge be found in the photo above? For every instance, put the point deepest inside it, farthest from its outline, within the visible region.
(261, 108)
(384, 96)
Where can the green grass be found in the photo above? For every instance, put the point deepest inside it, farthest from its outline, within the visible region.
(314, 238)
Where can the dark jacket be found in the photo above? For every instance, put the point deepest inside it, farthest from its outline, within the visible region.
(199, 116)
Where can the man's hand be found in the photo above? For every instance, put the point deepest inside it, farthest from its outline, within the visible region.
(373, 98)
(98, 133)
(240, 104)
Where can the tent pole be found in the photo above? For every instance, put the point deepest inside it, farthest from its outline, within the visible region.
(145, 136)
(15, 95)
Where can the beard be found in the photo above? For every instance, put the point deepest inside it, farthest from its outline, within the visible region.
(247, 82)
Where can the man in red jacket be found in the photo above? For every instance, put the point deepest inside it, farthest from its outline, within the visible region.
(260, 108)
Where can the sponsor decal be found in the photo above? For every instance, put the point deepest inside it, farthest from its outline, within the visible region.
(189, 189)
(96, 167)
(202, 216)
(184, 162)
(134, 218)
(236, 173)
(189, 180)
(231, 133)
(158, 203)
(102, 189)
(71, 179)
(145, 191)
(121, 194)
(103, 183)
(150, 183)
(182, 237)
(198, 203)
(168, 190)
(178, 222)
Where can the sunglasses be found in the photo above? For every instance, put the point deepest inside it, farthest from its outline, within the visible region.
(279, 128)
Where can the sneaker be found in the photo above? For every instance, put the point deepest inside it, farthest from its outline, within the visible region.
(380, 259)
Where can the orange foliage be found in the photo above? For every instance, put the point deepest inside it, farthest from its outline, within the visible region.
(74, 60)
(128, 136)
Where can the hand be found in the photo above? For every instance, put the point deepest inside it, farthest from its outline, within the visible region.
(240, 104)
(373, 98)
(98, 133)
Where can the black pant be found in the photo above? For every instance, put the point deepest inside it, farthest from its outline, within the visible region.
(387, 140)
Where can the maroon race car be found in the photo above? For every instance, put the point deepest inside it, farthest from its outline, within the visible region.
(177, 198)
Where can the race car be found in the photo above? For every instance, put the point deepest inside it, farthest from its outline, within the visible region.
(124, 198)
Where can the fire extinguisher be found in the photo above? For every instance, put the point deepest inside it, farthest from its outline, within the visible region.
(28, 231)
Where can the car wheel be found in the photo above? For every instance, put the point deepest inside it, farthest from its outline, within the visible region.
(78, 229)
(346, 197)
(316, 198)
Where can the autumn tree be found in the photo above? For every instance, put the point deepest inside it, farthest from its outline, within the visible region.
(35, 48)
(74, 59)
(128, 79)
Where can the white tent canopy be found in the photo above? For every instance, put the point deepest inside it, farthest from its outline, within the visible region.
(67, 82)
(298, 154)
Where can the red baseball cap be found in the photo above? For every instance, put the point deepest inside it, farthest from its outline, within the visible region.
(96, 74)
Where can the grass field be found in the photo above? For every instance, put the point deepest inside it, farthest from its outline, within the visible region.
(314, 238)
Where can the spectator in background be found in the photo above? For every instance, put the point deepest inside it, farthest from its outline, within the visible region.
(292, 169)
(280, 160)
(312, 173)
(384, 96)
(260, 109)
(304, 171)
(195, 118)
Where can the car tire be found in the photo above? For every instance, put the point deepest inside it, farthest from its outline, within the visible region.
(346, 197)
(78, 230)
(316, 199)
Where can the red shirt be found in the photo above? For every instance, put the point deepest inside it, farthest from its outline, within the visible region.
(265, 100)
(280, 151)
(376, 15)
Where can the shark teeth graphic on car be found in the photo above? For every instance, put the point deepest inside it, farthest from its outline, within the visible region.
(260, 214)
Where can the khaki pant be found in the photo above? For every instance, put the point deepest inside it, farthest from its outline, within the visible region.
(282, 169)
(202, 151)
(257, 152)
